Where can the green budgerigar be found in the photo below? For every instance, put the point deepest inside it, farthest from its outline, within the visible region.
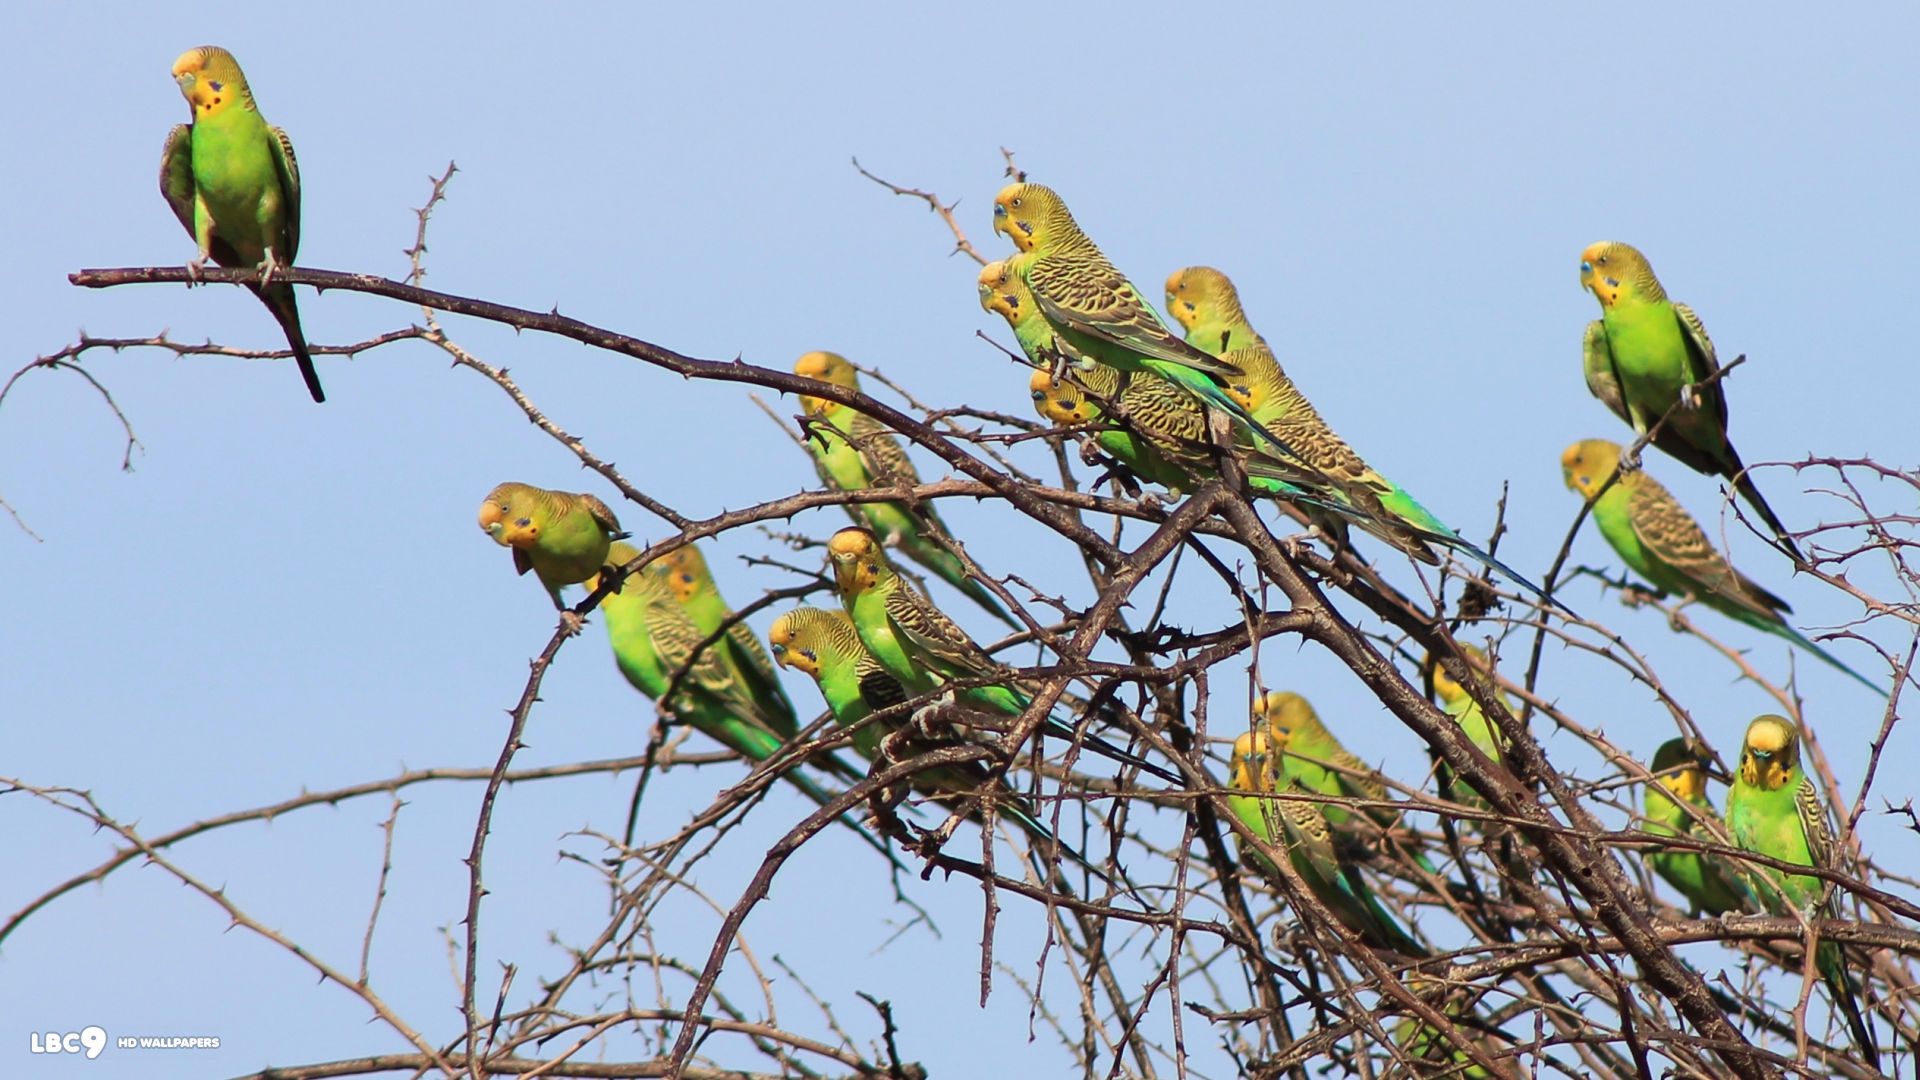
(1774, 808)
(692, 583)
(1315, 760)
(1709, 884)
(562, 537)
(926, 650)
(1474, 723)
(231, 179)
(1206, 303)
(1645, 354)
(653, 635)
(1297, 827)
(854, 452)
(824, 645)
(1656, 537)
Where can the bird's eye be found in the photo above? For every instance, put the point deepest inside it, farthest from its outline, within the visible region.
(1602, 260)
(1016, 200)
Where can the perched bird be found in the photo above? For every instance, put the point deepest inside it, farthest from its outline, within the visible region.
(1098, 315)
(653, 636)
(1644, 354)
(1205, 302)
(563, 538)
(926, 650)
(1709, 884)
(1473, 721)
(231, 179)
(1774, 809)
(1306, 749)
(1660, 541)
(1157, 443)
(853, 452)
(1422, 1051)
(1298, 827)
(692, 584)
(825, 645)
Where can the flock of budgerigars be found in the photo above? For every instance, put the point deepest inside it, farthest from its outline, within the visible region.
(1106, 364)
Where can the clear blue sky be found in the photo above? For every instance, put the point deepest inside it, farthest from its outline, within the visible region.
(282, 596)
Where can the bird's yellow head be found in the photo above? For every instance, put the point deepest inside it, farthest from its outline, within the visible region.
(1003, 293)
(1677, 766)
(829, 368)
(686, 572)
(803, 637)
(1448, 687)
(1588, 464)
(1201, 294)
(1286, 714)
(1610, 270)
(1251, 768)
(1770, 753)
(856, 559)
(505, 516)
(1031, 215)
(210, 79)
(789, 640)
(1059, 402)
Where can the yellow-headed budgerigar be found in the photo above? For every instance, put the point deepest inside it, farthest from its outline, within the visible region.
(231, 179)
(1205, 302)
(1297, 827)
(1656, 537)
(1709, 884)
(855, 452)
(926, 650)
(1774, 808)
(563, 538)
(825, 645)
(693, 585)
(1647, 353)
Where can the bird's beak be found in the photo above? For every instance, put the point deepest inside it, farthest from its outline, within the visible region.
(779, 654)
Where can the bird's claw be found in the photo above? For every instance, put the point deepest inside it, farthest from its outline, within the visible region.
(1629, 459)
(196, 271)
(571, 622)
(1689, 397)
(931, 722)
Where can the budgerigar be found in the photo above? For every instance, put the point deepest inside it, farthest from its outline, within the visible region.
(856, 452)
(1774, 808)
(1645, 352)
(563, 538)
(825, 645)
(1474, 723)
(692, 583)
(231, 179)
(925, 649)
(1307, 750)
(1709, 884)
(1205, 302)
(1660, 541)
(1299, 828)
(1315, 761)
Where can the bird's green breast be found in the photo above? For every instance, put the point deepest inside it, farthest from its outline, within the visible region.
(1650, 352)
(236, 179)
